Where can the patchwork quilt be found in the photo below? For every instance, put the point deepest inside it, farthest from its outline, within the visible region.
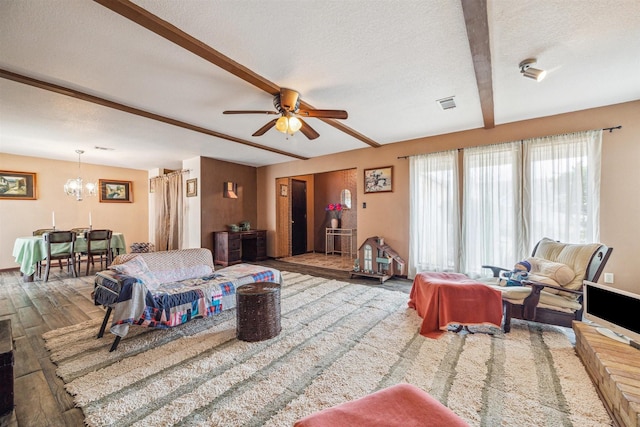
(174, 303)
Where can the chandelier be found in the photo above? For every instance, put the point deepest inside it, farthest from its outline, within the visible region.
(74, 186)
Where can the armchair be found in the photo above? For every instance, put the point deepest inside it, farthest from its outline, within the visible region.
(552, 293)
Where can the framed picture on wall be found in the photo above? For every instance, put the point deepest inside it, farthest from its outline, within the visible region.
(378, 180)
(192, 187)
(112, 191)
(17, 185)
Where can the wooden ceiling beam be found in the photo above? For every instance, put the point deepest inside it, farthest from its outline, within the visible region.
(164, 29)
(340, 126)
(135, 111)
(475, 18)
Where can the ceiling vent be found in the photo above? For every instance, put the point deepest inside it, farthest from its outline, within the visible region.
(447, 103)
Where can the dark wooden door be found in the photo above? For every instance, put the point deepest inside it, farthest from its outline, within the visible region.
(298, 217)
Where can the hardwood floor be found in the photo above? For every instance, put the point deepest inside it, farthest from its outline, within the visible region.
(34, 308)
(37, 307)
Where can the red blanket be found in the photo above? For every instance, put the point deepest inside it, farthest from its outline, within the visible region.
(401, 405)
(445, 298)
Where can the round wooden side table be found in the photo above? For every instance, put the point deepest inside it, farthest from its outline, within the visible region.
(258, 311)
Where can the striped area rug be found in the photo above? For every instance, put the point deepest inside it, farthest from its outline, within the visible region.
(333, 262)
(339, 341)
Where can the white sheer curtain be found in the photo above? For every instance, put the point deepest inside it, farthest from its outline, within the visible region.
(514, 194)
(434, 213)
(562, 187)
(492, 207)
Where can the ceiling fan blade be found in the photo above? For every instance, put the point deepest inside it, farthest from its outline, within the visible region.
(265, 128)
(325, 114)
(248, 112)
(308, 131)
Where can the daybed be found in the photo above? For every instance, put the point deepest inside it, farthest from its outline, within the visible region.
(166, 289)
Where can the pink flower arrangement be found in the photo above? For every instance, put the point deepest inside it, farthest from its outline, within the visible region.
(335, 209)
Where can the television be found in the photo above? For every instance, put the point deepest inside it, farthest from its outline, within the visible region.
(614, 310)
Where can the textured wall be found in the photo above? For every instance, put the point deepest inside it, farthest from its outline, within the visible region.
(216, 211)
(387, 214)
(21, 217)
(328, 187)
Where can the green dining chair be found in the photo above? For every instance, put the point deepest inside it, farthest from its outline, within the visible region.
(54, 241)
(40, 232)
(98, 244)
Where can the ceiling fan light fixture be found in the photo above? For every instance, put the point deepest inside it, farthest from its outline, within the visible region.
(287, 104)
(282, 125)
(288, 125)
(294, 124)
(530, 72)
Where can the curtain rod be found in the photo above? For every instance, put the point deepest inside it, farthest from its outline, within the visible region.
(435, 152)
(176, 172)
(610, 129)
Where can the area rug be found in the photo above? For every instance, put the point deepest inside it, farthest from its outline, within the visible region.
(339, 341)
(333, 262)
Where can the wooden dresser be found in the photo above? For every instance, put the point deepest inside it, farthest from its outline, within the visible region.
(614, 368)
(233, 247)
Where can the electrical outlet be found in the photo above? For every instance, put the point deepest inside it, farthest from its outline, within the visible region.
(608, 277)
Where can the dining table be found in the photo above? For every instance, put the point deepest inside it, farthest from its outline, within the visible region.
(30, 250)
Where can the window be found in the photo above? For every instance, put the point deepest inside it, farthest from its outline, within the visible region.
(563, 184)
(513, 195)
(434, 246)
(492, 218)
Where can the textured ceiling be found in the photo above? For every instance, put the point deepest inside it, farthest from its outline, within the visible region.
(385, 62)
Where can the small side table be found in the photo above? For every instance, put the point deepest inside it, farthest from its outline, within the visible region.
(348, 233)
(258, 311)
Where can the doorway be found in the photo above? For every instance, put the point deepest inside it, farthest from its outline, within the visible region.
(298, 217)
(307, 232)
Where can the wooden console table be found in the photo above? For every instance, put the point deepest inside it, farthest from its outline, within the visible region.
(233, 247)
(614, 368)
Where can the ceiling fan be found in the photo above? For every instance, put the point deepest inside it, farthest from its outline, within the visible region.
(287, 102)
